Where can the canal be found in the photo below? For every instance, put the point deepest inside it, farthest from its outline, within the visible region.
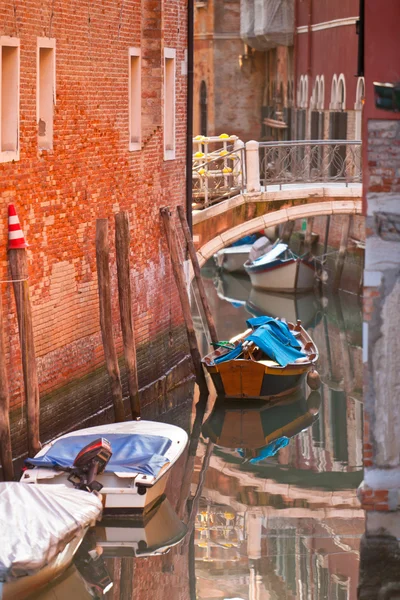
(279, 524)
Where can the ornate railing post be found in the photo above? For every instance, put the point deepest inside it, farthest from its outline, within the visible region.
(240, 177)
(253, 166)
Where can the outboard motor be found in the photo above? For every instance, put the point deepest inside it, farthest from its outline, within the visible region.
(89, 462)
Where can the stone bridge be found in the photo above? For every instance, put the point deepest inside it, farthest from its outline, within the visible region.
(222, 224)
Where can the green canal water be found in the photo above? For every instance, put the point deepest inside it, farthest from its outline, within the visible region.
(282, 527)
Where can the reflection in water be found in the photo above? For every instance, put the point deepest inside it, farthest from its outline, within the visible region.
(288, 524)
(267, 493)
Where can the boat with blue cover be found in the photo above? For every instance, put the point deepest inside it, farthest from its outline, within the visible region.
(270, 359)
(281, 270)
(143, 453)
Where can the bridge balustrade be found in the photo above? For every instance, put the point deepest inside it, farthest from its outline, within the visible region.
(224, 167)
(310, 161)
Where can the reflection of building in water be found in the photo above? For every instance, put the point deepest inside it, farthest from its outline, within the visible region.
(251, 555)
(334, 443)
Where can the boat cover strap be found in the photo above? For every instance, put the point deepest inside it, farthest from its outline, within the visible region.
(273, 337)
(131, 453)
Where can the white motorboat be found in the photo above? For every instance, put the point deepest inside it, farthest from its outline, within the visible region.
(233, 258)
(280, 270)
(136, 475)
(41, 530)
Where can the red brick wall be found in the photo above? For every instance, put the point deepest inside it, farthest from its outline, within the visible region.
(91, 174)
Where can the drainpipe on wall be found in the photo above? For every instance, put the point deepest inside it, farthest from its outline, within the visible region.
(189, 114)
(295, 69)
(309, 38)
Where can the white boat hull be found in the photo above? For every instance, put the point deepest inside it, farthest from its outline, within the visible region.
(25, 586)
(121, 490)
(294, 275)
(232, 259)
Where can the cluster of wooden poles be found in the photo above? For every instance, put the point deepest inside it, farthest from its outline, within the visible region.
(341, 256)
(19, 278)
(179, 276)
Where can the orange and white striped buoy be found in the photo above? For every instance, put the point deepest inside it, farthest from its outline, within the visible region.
(16, 239)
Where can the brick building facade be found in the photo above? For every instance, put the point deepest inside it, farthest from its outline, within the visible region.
(329, 96)
(238, 79)
(96, 95)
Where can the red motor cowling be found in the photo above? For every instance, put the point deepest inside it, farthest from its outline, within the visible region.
(99, 450)
(89, 462)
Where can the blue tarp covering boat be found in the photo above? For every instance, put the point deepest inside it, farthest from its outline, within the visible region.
(273, 337)
(132, 453)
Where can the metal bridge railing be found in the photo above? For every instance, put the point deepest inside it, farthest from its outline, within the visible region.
(310, 161)
(223, 166)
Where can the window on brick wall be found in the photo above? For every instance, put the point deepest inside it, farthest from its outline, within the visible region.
(9, 99)
(135, 99)
(169, 103)
(45, 91)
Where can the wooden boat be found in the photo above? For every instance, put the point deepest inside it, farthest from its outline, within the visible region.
(41, 530)
(241, 368)
(255, 428)
(280, 270)
(136, 475)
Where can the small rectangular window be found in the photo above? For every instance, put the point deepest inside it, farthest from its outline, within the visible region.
(9, 99)
(45, 93)
(169, 103)
(135, 100)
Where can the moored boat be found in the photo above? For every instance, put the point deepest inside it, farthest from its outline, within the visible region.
(143, 453)
(281, 270)
(268, 360)
(233, 258)
(41, 530)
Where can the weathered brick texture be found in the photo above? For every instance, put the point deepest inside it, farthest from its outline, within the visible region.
(91, 174)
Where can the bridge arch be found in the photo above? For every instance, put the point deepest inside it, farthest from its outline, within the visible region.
(277, 217)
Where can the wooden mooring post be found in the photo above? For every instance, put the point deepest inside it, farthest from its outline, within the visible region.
(196, 269)
(339, 265)
(122, 244)
(5, 436)
(103, 276)
(287, 231)
(19, 274)
(308, 235)
(179, 276)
